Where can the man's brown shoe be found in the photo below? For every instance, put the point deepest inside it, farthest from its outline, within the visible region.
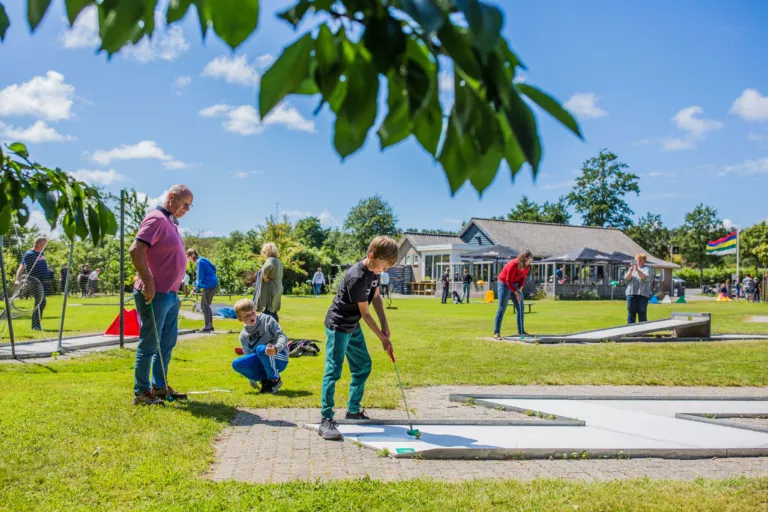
(163, 393)
(147, 398)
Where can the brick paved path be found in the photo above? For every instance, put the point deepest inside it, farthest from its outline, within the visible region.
(270, 445)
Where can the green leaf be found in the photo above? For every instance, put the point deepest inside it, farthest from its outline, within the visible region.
(5, 220)
(428, 126)
(485, 22)
(177, 9)
(295, 14)
(20, 149)
(22, 214)
(35, 11)
(68, 224)
(93, 224)
(203, 16)
(120, 25)
(234, 20)
(358, 111)
(397, 125)
(48, 201)
(551, 105)
(307, 87)
(326, 54)
(426, 13)
(81, 225)
(285, 75)
(385, 40)
(4, 22)
(455, 156)
(75, 7)
(486, 169)
(523, 125)
(512, 152)
(459, 48)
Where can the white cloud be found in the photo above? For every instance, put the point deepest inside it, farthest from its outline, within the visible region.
(748, 167)
(264, 61)
(751, 106)
(97, 176)
(167, 45)
(200, 233)
(84, 33)
(660, 174)
(153, 202)
(232, 69)
(728, 224)
(38, 132)
(326, 217)
(676, 144)
(241, 175)
(688, 120)
(175, 164)
(47, 97)
(584, 105)
(245, 120)
(214, 110)
(180, 84)
(144, 149)
(561, 184)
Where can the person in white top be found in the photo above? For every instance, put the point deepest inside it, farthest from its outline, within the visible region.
(92, 279)
(384, 281)
(318, 281)
(639, 280)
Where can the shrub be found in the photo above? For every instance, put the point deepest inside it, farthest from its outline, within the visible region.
(302, 289)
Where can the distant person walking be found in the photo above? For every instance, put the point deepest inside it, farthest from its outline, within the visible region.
(511, 282)
(63, 275)
(465, 289)
(158, 255)
(93, 279)
(85, 273)
(31, 276)
(384, 282)
(318, 280)
(445, 280)
(206, 284)
(638, 291)
(270, 291)
(749, 288)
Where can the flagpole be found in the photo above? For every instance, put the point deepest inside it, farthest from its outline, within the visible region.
(738, 254)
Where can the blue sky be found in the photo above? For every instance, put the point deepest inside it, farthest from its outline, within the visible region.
(679, 90)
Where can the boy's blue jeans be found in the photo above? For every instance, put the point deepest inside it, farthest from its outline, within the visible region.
(259, 366)
(337, 346)
(505, 294)
(166, 306)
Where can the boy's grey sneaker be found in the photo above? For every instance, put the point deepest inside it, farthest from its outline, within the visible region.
(147, 398)
(356, 415)
(329, 430)
(276, 384)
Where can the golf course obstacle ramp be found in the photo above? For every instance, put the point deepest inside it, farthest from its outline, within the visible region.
(681, 325)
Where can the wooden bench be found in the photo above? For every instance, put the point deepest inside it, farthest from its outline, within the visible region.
(529, 304)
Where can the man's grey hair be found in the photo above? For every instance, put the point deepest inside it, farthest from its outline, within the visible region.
(180, 190)
(40, 240)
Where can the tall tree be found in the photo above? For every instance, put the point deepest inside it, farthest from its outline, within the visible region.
(599, 192)
(701, 226)
(310, 232)
(651, 234)
(371, 217)
(557, 212)
(526, 210)
(403, 43)
(754, 243)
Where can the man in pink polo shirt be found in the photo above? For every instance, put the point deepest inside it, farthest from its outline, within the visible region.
(160, 260)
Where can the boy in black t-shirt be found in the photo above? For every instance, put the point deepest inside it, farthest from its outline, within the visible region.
(344, 337)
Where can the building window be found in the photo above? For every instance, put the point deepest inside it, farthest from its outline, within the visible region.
(415, 259)
(407, 259)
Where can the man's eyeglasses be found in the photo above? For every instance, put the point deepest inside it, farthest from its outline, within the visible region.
(187, 206)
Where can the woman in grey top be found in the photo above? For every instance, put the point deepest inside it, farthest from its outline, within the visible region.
(270, 290)
(638, 279)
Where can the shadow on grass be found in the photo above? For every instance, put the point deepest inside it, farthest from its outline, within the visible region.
(288, 393)
(249, 419)
(214, 410)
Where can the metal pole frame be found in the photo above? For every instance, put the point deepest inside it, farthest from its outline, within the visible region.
(122, 269)
(66, 295)
(8, 312)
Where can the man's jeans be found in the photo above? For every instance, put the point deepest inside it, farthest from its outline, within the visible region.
(206, 299)
(318, 287)
(465, 291)
(637, 307)
(505, 294)
(445, 293)
(166, 308)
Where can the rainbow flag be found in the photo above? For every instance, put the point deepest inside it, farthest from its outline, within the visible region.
(723, 246)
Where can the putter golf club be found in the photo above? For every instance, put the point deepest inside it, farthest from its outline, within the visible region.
(412, 432)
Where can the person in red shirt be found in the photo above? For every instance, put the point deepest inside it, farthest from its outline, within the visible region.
(511, 281)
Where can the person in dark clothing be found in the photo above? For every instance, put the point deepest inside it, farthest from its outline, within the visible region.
(446, 279)
(64, 273)
(33, 272)
(467, 279)
(85, 273)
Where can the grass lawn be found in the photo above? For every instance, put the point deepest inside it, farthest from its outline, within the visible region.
(69, 438)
